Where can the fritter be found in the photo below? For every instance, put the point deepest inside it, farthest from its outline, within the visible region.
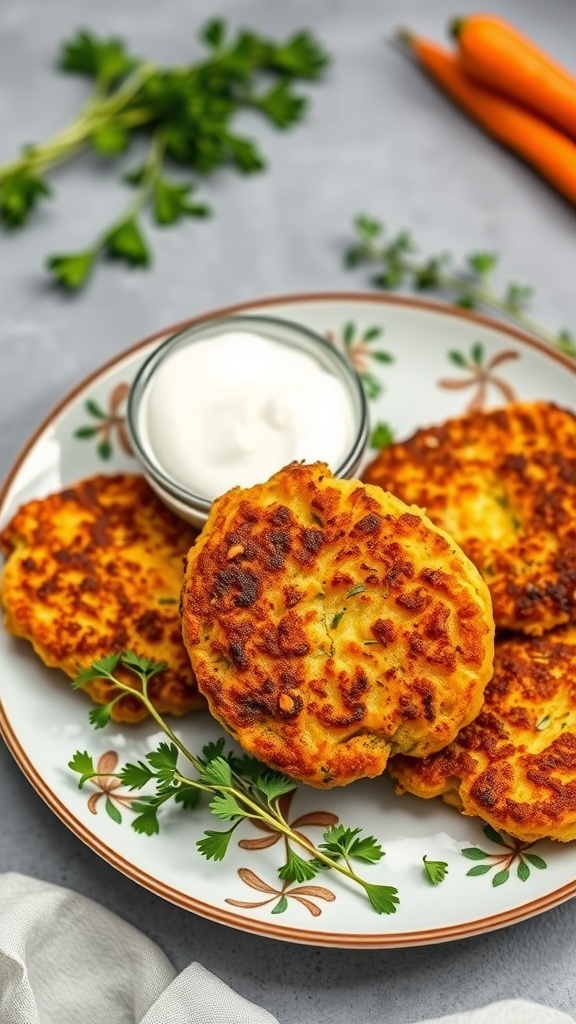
(330, 625)
(515, 765)
(503, 484)
(97, 569)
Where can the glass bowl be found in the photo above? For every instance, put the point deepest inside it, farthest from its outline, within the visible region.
(189, 502)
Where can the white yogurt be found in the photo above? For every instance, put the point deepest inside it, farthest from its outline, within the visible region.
(237, 407)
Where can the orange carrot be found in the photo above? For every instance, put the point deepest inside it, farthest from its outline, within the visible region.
(544, 147)
(497, 55)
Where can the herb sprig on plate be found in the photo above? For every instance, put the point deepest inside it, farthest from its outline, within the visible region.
(396, 264)
(186, 116)
(239, 789)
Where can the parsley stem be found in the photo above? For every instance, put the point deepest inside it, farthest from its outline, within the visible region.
(95, 113)
(245, 803)
(129, 88)
(205, 787)
(151, 172)
(273, 818)
(173, 737)
(155, 715)
(276, 820)
(135, 117)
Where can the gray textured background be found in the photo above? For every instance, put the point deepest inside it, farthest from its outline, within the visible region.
(380, 139)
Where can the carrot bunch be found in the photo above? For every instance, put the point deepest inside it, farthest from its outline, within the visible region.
(514, 90)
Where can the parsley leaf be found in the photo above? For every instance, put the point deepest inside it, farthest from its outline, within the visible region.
(273, 784)
(226, 807)
(140, 663)
(215, 748)
(217, 772)
(436, 870)
(83, 764)
(296, 869)
(100, 716)
(126, 242)
(147, 821)
(19, 195)
(97, 670)
(164, 760)
(347, 842)
(384, 898)
(171, 202)
(214, 846)
(482, 262)
(280, 105)
(244, 154)
(188, 796)
(135, 776)
(73, 269)
(213, 33)
(382, 435)
(300, 57)
(104, 59)
(245, 766)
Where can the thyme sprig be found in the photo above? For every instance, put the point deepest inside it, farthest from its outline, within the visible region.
(185, 113)
(240, 788)
(470, 286)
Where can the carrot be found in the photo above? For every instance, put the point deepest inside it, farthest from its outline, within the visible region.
(495, 54)
(544, 147)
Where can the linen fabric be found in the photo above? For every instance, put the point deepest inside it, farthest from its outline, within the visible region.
(64, 958)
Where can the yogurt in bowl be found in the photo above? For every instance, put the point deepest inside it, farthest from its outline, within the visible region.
(231, 401)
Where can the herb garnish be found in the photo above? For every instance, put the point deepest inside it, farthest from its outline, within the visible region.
(436, 870)
(239, 788)
(382, 435)
(186, 115)
(469, 286)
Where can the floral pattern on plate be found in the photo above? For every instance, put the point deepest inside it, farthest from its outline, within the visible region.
(403, 345)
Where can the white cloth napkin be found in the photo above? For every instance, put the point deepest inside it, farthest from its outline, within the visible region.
(64, 959)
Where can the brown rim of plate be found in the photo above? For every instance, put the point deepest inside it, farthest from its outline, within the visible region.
(307, 937)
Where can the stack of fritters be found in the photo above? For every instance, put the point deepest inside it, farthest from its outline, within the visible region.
(330, 625)
(503, 483)
(97, 569)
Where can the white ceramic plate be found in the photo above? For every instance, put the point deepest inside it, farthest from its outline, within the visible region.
(421, 363)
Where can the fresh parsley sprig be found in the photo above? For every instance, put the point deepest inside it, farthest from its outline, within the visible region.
(186, 113)
(239, 788)
(397, 265)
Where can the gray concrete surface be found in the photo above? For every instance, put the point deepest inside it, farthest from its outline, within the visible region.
(380, 139)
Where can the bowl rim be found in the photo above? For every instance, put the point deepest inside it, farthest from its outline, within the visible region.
(199, 332)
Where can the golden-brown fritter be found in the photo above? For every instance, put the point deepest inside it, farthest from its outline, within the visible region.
(329, 625)
(503, 484)
(96, 569)
(515, 765)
